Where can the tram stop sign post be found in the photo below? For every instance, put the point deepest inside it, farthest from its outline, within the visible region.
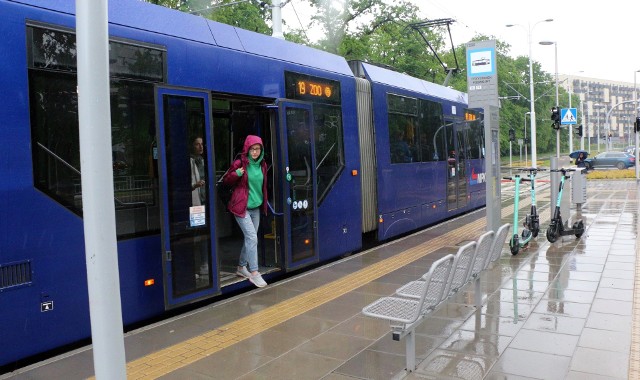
(482, 90)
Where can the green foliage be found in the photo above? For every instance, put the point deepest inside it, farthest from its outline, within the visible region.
(246, 15)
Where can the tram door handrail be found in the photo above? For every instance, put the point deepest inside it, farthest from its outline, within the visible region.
(75, 170)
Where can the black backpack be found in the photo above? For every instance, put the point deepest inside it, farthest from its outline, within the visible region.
(224, 191)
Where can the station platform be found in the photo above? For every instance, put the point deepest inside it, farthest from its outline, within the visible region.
(565, 310)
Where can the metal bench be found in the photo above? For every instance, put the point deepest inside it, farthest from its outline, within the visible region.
(415, 300)
(406, 314)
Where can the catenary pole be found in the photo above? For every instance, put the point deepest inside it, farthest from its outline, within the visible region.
(101, 249)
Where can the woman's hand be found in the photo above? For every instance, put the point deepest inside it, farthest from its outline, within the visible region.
(198, 184)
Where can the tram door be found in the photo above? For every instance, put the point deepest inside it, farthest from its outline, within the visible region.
(456, 168)
(299, 183)
(186, 193)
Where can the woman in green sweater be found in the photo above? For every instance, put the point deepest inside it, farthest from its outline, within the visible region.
(248, 176)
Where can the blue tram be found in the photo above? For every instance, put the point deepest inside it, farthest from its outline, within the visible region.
(352, 149)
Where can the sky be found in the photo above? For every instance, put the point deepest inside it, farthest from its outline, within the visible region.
(595, 40)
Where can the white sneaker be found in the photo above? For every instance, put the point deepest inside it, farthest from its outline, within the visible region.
(243, 272)
(258, 281)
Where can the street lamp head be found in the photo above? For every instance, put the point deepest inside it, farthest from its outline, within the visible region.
(547, 42)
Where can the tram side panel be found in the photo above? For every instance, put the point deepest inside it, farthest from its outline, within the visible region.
(41, 245)
(340, 219)
(410, 189)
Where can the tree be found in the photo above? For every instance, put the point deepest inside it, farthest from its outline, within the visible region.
(377, 31)
(250, 14)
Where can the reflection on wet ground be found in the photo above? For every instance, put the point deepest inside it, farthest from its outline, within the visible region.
(557, 311)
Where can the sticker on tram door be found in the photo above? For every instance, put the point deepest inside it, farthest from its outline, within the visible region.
(46, 306)
(197, 216)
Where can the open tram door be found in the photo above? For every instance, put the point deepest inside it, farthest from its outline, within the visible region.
(187, 207)
(298, 185)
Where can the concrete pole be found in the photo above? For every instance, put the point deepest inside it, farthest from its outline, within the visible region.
(276, 17)
(555, 46)
(101, 248)
(534, 157)
(585, 127)
(571, 128)
(598, 137)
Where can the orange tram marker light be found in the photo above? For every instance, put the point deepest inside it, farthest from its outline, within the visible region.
(149, 282)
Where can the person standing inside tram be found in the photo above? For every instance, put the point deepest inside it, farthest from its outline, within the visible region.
(199, 197)
(248, 176)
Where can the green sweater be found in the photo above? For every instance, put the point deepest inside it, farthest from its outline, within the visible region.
(255, 180)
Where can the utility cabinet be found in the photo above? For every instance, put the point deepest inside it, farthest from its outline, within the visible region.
(579, 186)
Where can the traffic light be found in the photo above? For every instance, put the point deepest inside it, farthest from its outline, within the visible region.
(637, 124)
(512, 135)
(555, 117)
(580, 130)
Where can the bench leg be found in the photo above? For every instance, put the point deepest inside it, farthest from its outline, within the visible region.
(410, 351)
(478, 294)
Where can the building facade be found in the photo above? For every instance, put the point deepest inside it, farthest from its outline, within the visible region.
(606, 110)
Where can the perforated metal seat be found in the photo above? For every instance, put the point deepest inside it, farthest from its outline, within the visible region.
(483, 253)
(462, 264)
(498, 242)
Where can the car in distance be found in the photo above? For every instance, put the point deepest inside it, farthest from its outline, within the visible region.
(620, 160)
(631, 150)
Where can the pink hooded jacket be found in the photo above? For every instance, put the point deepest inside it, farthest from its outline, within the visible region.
(240, 197)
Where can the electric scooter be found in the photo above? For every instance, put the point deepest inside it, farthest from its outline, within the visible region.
(532, 221)
(556, 226)
(516, 242)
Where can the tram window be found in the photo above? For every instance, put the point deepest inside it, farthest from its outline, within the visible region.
(329, 146)
(476, 134)
(402, 128)
(55, 135)
(431, 132)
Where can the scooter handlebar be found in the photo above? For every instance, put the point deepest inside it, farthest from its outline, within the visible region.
(521, 179)
(532, 169)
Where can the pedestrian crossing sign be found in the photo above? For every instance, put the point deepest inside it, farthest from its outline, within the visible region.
(568, 116)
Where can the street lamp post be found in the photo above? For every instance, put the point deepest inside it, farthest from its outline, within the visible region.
(598, 130)
(555, 45)
(526, 159)
(531, 93)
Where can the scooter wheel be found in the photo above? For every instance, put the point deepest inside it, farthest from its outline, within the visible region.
(552, 236)
(526, 234)
(514, 245)
(578, 227)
